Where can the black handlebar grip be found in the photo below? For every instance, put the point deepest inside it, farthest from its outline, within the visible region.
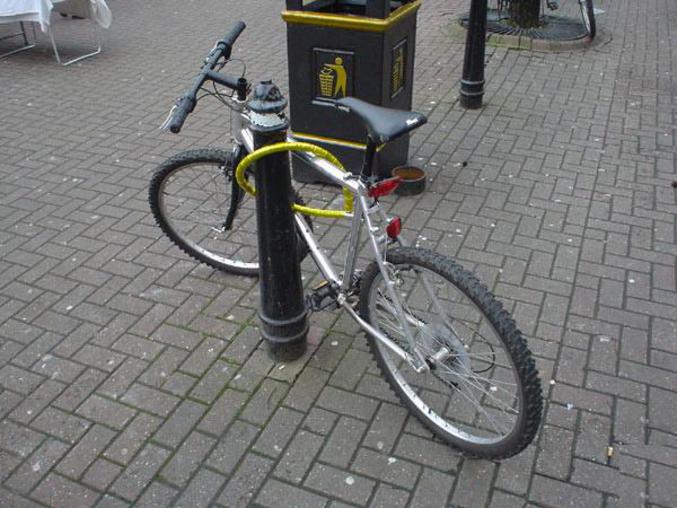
(183, 108)
(230, 38)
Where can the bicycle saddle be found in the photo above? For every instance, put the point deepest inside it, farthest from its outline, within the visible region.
(383, 124)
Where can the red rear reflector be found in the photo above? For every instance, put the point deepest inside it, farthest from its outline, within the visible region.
(394, 227)
(384, 187)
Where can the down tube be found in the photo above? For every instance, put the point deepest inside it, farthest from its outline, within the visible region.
(321, 260)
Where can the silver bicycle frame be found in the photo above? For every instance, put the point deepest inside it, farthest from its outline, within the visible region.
(360, 215)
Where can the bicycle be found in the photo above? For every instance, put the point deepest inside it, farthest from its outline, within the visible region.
(448, 348)
(587, 12)
(569, 9)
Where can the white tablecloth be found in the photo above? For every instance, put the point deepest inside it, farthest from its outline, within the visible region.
(39, 11)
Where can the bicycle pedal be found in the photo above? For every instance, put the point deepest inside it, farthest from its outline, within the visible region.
(322, 297)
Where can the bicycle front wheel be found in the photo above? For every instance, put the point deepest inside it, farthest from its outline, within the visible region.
(588, 15)
(190, 195)
(481, 393)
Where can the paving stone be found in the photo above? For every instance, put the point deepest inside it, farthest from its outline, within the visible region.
(37, 466)
(18, 380)
(101, 474)
(56, 490)
(386, 427)
(62, 425)
(222, 412)
(505, 500)
(123, 377)
(346, 403)
(85, 451)
(138, 347)
(99, 358)
(78, 391)
(349, 371)
(187, 459)
(106, 412)
(343, 442)
(180, 423)
(201, 490)
(150, 400)
(555, 493)
(37, 401)
(203, 356)
(275, 493)
(264, 402)
(158, 494)
(278, 432)
(385, 468)
(661, 484)
(306, 388)
(473, 484)
(662, 409)
(344, 485)
(433, 489)
(140, 472)
(247, 480)
(554, 457)
(426, 452)
(18, 439)
(232, 446)
(389, 497)
(126, 445)
(163, 366)
(298, 457)
(212, 383)
(8, 462)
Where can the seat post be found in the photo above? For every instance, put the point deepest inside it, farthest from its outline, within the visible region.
(368, 164)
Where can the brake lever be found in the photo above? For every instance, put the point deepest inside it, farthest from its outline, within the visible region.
(165, 124)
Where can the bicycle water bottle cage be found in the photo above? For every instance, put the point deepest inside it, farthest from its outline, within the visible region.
(288, 146)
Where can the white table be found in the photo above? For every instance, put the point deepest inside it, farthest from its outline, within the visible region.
(40, 11)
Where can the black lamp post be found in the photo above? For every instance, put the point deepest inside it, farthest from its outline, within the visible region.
(283, 312)
(472, 82)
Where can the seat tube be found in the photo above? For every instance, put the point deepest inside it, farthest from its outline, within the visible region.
(368, 164)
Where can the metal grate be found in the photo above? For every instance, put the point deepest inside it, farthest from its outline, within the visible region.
(554, 28)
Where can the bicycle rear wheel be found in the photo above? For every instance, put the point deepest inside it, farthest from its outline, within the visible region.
(190, 195)
(482, 393)
(588, 15)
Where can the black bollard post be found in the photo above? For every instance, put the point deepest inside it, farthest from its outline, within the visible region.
(283, 312)
(472, 82)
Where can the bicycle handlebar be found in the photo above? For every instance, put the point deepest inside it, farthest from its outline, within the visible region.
(230, 38)
(186, 103)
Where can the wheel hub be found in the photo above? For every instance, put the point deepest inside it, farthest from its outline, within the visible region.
(446, 349)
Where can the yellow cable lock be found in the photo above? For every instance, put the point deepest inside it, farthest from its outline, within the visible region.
(289, 146)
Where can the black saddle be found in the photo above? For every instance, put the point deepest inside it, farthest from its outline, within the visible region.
(383, 124)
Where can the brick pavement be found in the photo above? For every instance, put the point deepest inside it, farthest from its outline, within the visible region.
(131, 375)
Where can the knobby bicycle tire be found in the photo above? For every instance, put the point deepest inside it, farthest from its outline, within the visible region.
(209, 188)
(527, 381)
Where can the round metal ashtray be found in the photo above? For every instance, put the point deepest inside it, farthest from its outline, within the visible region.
(413, 180)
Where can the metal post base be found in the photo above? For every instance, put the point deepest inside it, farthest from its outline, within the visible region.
(22, 33)
(97, 38)
(472, 93)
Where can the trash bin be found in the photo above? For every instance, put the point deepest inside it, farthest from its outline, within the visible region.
(339, 48)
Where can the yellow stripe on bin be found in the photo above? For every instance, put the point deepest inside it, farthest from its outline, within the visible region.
(351, 22)
(295, 147)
